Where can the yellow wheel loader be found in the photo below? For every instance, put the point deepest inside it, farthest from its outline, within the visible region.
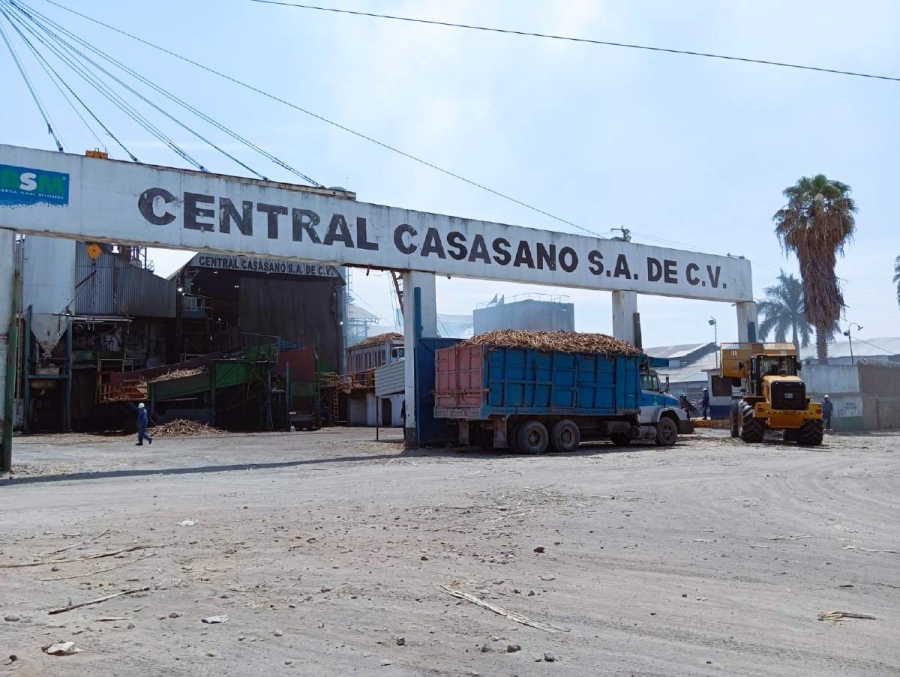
(773, 396)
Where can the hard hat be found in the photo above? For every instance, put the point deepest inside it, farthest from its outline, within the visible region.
(684, 394)
(827, 398)
(141, 405)
(706, 390)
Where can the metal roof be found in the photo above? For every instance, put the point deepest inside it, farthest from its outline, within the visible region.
(862, 347)
(677, 352)
(695, 372)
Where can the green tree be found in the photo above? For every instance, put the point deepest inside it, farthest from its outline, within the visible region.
(897, 277)
(815, 225)
(783, 312)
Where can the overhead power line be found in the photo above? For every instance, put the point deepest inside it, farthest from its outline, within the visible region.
(57, 80)
(108, 93)
(322, 118)
(28, 83)
(149, 83)
(590, 41)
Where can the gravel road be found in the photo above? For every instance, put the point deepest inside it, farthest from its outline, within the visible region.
(328, 551)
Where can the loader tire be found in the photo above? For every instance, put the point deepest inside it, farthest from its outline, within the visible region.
(810, 433)
(752, 429)
(735, 420)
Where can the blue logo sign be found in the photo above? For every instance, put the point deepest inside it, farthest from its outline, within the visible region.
(20, 186)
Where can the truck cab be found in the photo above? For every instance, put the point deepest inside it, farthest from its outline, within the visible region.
(656, 401)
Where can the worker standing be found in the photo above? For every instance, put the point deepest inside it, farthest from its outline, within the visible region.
(686, 405)
(142, 426)
(704, 404)
(827, 411)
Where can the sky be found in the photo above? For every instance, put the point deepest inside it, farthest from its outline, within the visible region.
(686, 152)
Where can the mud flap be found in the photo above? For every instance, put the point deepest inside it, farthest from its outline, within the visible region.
(685, 427)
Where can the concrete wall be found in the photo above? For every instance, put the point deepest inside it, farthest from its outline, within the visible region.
(880, 385)
(865, 396)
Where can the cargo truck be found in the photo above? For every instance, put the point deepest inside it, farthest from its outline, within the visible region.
(532, 401)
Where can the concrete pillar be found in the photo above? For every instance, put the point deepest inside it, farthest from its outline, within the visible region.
(7, 291)
(747, 321)
(419, 320)
(626, 321)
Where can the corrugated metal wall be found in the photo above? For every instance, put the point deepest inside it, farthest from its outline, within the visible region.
(390, 379)
(304, 312)
(110, 286)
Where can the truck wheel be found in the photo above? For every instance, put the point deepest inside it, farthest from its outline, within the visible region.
(752, 429)
(666, 432)
(810, 433)
(735, 420)
(565, 436)
(532, 438)
(620, 439)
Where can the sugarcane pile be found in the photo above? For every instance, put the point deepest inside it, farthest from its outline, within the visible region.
(381, 338)
(179, 373)
(547, 341)
(184, 428)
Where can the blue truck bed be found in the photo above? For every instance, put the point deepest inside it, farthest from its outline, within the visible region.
(477, 382)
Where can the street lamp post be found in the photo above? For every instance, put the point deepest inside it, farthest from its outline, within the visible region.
(850, 338)
(715, 326)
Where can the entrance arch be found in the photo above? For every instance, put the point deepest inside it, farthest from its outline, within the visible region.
(100, 200)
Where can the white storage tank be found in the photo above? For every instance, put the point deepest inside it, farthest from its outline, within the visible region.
(48, 286)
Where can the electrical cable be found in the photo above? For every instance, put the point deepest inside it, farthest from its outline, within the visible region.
(590, 41)
(85, 106)
(57, 80)
(114, 98)
(96, 65)
(321, 118)
(28, 83)
(174, 98)
(75, 95)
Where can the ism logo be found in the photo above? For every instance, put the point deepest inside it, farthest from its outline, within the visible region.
(20, 186)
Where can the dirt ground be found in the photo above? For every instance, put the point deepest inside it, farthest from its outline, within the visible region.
(327, 552)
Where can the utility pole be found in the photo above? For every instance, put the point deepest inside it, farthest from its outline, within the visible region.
(850, 338)
(715, 326)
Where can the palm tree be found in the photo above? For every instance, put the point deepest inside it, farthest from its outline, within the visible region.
(815, 225)
(897, 277)
(783, 311)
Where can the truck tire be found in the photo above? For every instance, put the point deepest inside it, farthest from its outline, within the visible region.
(735, 420)
(532, 438)
(620, 439)
(810, 433)
(752, 429)
(666, 432)
(565, 436)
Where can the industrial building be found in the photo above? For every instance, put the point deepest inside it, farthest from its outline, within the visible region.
(239, 342)
(538, 312)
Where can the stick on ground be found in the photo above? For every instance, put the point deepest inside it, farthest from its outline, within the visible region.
(98, 571)
(839, 615)
(546, 627)
(77, 545)
(98, 555)
(96, 601)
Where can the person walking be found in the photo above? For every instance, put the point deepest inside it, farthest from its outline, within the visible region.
(827, 411)
(686, 405)
(142, 422)
(704, 404)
